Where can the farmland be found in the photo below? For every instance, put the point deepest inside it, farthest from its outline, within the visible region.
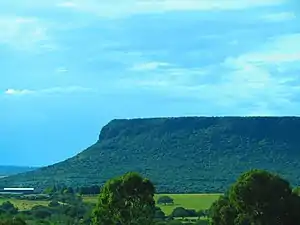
(189, 201)
(24, 204)
(67, 206)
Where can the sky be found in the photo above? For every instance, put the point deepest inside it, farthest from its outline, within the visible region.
(69, 67)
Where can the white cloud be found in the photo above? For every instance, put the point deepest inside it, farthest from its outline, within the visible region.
(54, 90)
(250, 77)
(257, 81)
(279, 50)
(149, 66)
(61, 70)
(62, 90)
(23, 33)
(18, 92)
(24, 20)
(278, 17)
(130, 7)
(150, 83)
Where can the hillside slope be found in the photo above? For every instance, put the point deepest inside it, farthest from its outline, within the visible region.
(186, 154)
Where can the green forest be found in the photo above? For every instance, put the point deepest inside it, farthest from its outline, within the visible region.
(179, 155)
(257, 197)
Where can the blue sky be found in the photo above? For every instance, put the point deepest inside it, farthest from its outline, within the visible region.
(69, 67)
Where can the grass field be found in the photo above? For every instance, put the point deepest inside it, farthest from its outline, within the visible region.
(24, 204)
(188, 201)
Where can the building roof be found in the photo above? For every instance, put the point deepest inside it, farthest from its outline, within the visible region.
(18, 189)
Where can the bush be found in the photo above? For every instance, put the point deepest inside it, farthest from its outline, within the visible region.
(53, 204)
(202, 222)
(9, 208)
(174, 222)
(180, 212)
(41, 212)
(165, 200)
(159, 214)
(14, 221)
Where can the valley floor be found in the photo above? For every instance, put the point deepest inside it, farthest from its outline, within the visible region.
(188, 201)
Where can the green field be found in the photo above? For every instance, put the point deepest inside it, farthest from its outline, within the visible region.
(24, 204)
(188, 201)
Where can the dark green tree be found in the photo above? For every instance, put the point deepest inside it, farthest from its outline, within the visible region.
(159, 214)
(296, 191)
(174, 222)
(41, 212)
(53, 204)
(69, 190)
(222, 212)
(260, 195)
(13, 221)
(201, 222)
(9, 208)
(125, 200)
(242, 219)
(50, 190)
(180, 212)
(201, 213)
(165, 200)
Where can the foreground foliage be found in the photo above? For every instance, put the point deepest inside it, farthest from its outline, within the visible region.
(259, 198)
(126, 200)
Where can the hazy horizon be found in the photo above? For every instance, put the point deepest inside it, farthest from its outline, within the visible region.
(69, 67)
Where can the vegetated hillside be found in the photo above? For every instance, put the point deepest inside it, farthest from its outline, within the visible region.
(11, 170)
(186, 154)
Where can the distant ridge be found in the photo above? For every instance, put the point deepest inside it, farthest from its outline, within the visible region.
(184, 154)
(11, 170)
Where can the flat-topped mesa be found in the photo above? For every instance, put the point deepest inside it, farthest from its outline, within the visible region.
(260, 126)
(183, 154)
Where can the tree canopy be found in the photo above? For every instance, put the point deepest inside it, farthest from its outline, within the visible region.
(165, 200)
(126, 200)
(13, 221)
(257, 197)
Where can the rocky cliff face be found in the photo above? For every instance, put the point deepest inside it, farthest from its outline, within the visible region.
(185, 154)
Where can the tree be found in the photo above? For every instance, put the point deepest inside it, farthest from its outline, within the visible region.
(41, 212)
(53, 204)
(165, 200)
(159, 214)
(180, 212)
(292, 209)
(174, 222)
(201, 213)
(260, 195)
(201, 222)
(128, 199)
(296, 190)
(91, 190)
(68, 190)
(14, 221)
(9, 208)
(242, 219)
(222, 212)
(50, 190)
(257, 197)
